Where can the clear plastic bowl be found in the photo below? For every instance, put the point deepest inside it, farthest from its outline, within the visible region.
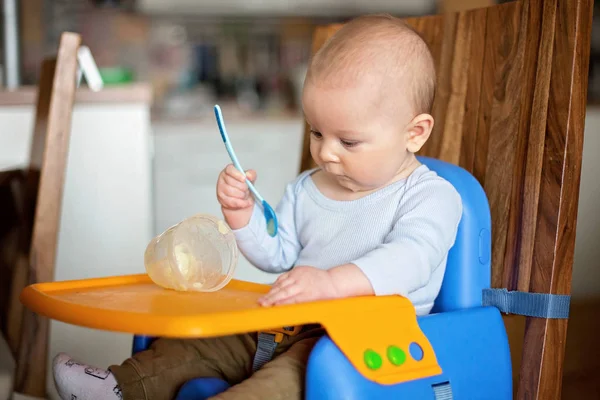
(198, 254)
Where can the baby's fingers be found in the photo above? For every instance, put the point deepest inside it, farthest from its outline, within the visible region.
(233, 172)
(232, 203)
(251, 175)
(278, 294)
(234, 192)
(232, 182)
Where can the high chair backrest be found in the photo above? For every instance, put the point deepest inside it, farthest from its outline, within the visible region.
(510, 109)
(40, 203)
(468, 269)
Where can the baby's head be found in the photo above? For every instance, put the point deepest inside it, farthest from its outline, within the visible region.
(367, 96)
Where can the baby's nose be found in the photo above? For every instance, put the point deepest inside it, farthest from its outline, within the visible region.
(328, 154)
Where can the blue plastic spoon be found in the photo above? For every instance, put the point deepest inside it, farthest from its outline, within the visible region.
(270, 215)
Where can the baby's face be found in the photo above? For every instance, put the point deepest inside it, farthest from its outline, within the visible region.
(354, 138)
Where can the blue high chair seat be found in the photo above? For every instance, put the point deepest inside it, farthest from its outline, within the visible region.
(469, 340)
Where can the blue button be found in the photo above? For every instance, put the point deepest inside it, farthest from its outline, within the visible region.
(415, 351)
(484, 246)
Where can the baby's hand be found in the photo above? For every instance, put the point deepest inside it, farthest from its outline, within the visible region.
(234, 196)
(300, 285)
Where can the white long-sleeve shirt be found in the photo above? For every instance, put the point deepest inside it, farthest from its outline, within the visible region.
(399, 236)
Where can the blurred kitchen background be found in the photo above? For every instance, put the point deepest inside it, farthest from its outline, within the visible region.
(251, 54)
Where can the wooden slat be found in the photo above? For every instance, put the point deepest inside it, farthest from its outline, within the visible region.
(452, 134)
(531, 30)
(446, 40)
(431, 28)
(554, 241)
(475, 71)
(446, 6)
(53, 132)
(500, 103)
(535, 145)
(27, 199)
(486, 96)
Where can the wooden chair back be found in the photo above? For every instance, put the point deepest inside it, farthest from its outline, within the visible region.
(38, 198)
(510, 108)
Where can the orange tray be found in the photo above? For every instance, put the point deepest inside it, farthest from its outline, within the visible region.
(134, 304)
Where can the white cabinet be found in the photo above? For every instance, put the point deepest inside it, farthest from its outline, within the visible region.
(107, 214)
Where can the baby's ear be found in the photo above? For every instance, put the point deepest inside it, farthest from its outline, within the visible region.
(418, 132)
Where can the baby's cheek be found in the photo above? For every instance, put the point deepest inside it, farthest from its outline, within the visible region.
(370, 168)
(374, 175)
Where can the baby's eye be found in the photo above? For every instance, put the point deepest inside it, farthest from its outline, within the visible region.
(348, 143)
(316, 134)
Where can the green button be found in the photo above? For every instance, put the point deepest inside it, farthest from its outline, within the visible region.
(372, 359)
(396, 355)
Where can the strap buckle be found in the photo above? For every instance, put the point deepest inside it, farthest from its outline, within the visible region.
(278, 333)
(268, 341)
(277, 336)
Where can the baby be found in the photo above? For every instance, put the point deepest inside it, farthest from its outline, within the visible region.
(370, 220)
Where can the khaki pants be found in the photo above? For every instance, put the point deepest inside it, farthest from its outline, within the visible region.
(159, 372)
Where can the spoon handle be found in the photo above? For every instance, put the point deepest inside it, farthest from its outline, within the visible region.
(231, 153)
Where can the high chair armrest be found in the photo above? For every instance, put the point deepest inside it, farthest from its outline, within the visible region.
(471, 347)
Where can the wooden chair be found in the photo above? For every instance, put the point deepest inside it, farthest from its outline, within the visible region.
(510, 108)
(29, 243)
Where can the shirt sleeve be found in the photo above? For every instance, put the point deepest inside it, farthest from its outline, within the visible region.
(425, 230)
(272, 254)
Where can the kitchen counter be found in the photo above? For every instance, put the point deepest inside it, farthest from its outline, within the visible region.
(131, 93)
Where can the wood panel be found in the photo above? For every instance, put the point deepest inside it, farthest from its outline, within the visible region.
(447, 6)
(438, 32)
(25, 195)
(532, 132)
(509, 108)
(472, 104)
(49, 151)
(554, 240)
(500, 108)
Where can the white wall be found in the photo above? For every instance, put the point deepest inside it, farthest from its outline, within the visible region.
(16, 127)
(107, 214)
(190, 155)
(586, 268)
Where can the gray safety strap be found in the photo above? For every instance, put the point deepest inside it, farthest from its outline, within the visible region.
(442, 391)
(265, 348)
(540, 305)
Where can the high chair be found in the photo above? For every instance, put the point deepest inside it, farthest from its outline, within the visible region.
(509, 114)
(464, 335)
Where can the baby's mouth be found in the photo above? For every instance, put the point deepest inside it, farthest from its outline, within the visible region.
(335, 175)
